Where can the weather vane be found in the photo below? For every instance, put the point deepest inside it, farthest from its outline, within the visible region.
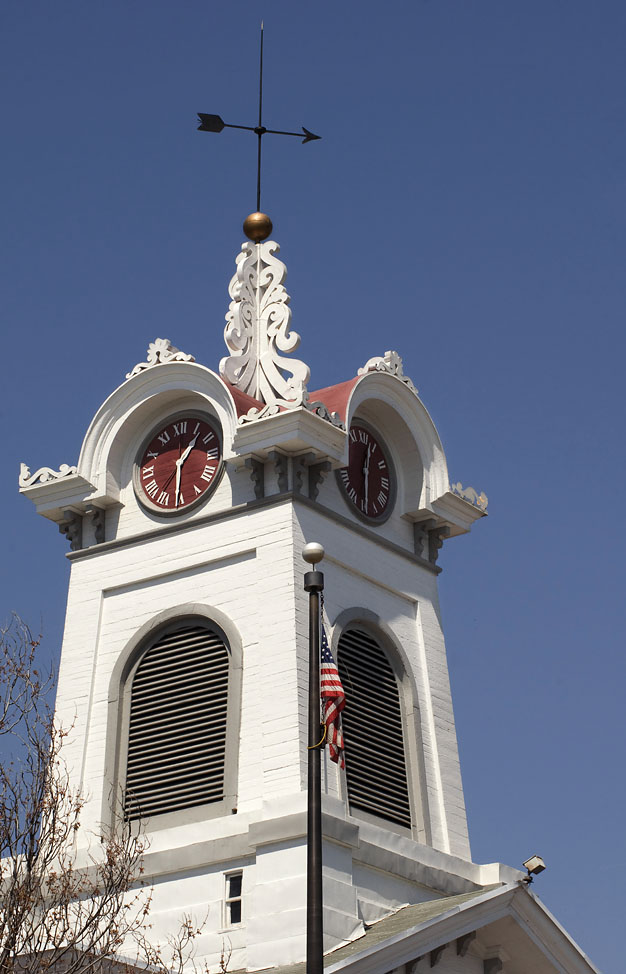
(258, 225)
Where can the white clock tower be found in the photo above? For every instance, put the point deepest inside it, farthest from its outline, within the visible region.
(184, 661)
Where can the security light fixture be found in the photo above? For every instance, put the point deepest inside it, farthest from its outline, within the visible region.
(534, 865)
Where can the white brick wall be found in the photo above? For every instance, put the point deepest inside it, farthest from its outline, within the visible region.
(248, 568)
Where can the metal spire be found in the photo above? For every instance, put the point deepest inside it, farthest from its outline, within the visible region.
(213, 123)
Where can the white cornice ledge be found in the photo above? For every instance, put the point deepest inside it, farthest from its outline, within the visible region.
(53, 492)
(292, 431)
(457, 511)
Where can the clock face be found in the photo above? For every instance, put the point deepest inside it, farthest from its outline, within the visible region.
(368, 480)
(179, 464)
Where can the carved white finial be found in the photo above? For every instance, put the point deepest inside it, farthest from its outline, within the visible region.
(257, 332)
(160, 351)
(389, 362)
(471, 495)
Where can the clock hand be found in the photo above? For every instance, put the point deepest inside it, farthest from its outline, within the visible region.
(188, 450)
(366, 472)
(179, 466)
(177, 483)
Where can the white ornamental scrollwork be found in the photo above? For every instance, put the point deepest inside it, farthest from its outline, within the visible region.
(159, 352)
(389, 362)
(321, 409)
(317, 407)
(257, 332)
(44, 475)
(472, 496)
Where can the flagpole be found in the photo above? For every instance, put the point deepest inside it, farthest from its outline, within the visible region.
(314, 584)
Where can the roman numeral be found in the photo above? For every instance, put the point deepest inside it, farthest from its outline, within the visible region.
(197, 489)
(148, 471)
(163, 437)
(207, 439)
(363, 436)
(207, 474)
(382, 498)
(384, 483)
(344, 475)
(381, 464)
(151, 454)
(196, 427)
(353, 436)
(164, 499)
(211, 454)
(180, 428)
(152, 488)
(352, 494)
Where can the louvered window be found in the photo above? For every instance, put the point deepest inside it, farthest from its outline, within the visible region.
(372, 723)
(177, 723)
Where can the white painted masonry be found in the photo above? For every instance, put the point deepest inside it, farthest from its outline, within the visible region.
(237, 560)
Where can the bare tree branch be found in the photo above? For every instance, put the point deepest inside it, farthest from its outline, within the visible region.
(62, 910)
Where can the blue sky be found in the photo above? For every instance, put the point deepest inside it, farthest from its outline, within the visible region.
(467, 207)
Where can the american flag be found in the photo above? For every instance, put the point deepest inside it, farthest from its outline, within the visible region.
(333, 702)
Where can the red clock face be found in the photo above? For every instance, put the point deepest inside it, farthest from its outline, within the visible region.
(179, 464)
(367, 481)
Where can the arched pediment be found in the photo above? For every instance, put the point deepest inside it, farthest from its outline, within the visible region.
(138, 403)
(391, 405)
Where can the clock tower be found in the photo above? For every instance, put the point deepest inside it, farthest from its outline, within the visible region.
(184, 662)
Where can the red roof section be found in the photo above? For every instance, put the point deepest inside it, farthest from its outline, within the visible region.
(243, 402)
(335, 398)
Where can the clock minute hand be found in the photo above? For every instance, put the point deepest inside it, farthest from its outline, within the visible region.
(366, 472)
(179, 466)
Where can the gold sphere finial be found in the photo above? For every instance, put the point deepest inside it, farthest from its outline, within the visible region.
(257, 227)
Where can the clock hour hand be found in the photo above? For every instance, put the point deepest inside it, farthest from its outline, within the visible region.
(187, 451)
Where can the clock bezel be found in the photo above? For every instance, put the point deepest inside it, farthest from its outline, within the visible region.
(366, 518)
(142, 499)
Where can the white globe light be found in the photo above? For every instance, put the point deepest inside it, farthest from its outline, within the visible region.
(313, 552)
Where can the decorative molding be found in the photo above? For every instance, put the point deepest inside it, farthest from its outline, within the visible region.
(72, 528)
(429, 537)
(301, 465)
(97, 521)
(470, 495)
(317, 472)
(435, 955)
(44, 475)
(257, 475)
(159, 352)
(436, 539)
(257, 332)
(255, 413)
(463, 943)
(321, 410)
(281, 463)
(389, 362)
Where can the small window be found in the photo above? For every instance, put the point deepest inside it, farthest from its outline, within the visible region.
(233, 900)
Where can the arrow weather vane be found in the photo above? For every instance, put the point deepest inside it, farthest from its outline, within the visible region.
(213, 123)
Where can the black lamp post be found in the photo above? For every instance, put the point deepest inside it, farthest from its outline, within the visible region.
(314, 585)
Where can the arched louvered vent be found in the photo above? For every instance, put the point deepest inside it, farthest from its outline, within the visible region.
(372, 725)
(177, 726)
